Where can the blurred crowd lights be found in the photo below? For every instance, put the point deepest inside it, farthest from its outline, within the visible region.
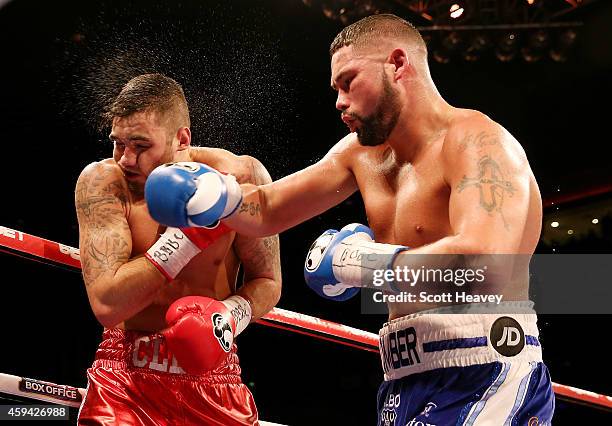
(497, 29)
(456, 10)
(555, 224)
(530, 46)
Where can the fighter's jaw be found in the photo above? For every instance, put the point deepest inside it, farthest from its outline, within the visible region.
(131, 175)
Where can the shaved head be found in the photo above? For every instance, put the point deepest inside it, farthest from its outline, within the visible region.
(153, 93)
(372, 30)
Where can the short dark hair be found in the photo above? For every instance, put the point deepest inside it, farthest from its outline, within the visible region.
(152, 92)
(371, 28)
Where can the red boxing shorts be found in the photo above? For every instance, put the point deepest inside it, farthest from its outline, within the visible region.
(135, 380)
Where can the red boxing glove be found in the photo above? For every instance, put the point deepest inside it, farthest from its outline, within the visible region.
(201, 330)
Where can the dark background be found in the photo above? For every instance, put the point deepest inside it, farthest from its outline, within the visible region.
(256, 76)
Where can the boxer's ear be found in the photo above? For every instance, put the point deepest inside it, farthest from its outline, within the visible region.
(184, 138)
(399, 59)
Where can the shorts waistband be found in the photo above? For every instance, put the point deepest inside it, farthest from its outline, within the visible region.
(435, 339)
(148, 352)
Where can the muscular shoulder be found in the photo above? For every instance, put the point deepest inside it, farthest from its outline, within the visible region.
(101, 176)
(346, 145)
(473, 133)
(100, 186)
(107, 166)
(346, 150)
(471, 127)
(247, 169)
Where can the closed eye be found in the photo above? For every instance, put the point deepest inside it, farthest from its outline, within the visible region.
(347, 82)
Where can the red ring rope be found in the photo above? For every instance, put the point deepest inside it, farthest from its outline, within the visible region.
(22, 244)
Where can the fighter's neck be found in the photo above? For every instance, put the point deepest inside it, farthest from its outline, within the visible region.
(416, 130)
(136, 192)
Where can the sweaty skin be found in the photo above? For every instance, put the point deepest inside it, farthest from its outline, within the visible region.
(125, 290)
(445, 181)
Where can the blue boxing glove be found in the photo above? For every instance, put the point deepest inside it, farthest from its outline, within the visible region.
(319, 270)
(338, 263)
(187, 194)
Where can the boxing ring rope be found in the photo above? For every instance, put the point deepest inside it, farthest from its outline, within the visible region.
(39, 249)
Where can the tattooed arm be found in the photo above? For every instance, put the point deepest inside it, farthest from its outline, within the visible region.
(489, 178)
(260, 258)
(117, 287)
(488, 175)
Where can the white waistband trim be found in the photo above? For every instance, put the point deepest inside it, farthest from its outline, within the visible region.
(433, 339)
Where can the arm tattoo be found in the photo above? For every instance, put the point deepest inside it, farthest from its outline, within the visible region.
(254, 209)
(491, 185)
(257, 175)
(480, 141)
(261, 255)
(103, 253)
(101, 210)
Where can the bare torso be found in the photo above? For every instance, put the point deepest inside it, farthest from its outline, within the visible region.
(211, 273)
(408, 204)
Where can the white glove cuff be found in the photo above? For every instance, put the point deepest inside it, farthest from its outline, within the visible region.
(209, 190)
(356, 257)
(241, 311)
(172, 252)
(234, 195)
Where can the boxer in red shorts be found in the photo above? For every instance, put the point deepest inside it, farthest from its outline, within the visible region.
(167, 297)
